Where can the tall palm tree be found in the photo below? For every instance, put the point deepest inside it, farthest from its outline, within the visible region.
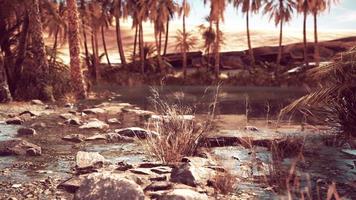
(171, 7)
(118, 14)
(304, 7)
(184, 12)
(318, 7)
(45, 90)
(281, 11)
(248, 7)
(74, 50)
(105, 21)
(5, 95)
(217, 9)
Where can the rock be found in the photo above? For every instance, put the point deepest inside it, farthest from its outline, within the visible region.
(19, 147)
(115, 137)
(141, 171)
(14, 121)
(193, 173)
(183, 194)
(74, 121)
(95, 124)
(158, 178)
(349, 152)
(66, 116)
(77, 138)
(89, 160)
(113, 121)
(123, 166)
(161, 185)
(38, 125)
(162, 170)
(251, 128)
(37, 102)
(94, 111)
(72, 185)
(69, 105)
(96, 137)
(26, 132)
(30, 113)
(136, 132)
(107, 186)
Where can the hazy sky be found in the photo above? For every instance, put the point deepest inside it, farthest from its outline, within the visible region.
(341, 17)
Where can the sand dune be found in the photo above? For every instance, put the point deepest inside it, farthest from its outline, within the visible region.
(234, 41)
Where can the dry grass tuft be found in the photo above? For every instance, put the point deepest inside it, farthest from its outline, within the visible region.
(178, 137)
(224, 182)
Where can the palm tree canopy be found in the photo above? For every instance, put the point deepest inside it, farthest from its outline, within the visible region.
(279, 10)
(247, 5)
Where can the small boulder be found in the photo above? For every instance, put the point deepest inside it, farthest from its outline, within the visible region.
(115, 137)
(74, 121)
(252, 129)
(95, 124)
(96, 137)
(113, 121)
(19, 147)
(38, 125)
(136, 132)
(183, 194)
(89, 160)
(26, 132)
(160, 185)
(77, 138)
(108, 186)
(94, 111)
(66, 116)
(37, 102)
(14, 121)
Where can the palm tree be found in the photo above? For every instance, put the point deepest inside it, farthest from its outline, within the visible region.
(247, 7)
(118, 13)
(305, 6)
(281, 11)
(5, 95)
(184, 12)
(39, 50)
(318, 7)
(217, 9)
(185, 41)
(105, 21)
(171, 8)
(74, 50)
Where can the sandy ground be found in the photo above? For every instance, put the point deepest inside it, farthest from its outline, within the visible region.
(234, 40)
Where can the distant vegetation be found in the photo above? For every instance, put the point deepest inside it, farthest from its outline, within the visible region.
(29, 69)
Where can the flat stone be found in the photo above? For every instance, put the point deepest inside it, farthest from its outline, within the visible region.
(96, 137)
(161, 170)
(31, 113)
(161, 185)
(108, 186)
(37, 102)
(113, 121)
(19, 147)
(141, 171)
(350, 152)
(66, 116)
(183, 194)
(72, 185)
(14, 121)
(136, 132)
(38, 125)
(26, 132)
(115, 137)
(95, 124)
(123, 166)
(74, 121)
(94, 111)
(77, 138)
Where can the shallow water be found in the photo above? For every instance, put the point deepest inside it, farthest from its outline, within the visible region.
(7, 131)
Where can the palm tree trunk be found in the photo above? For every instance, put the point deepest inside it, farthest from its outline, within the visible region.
(142, 53)
(5, 95)
(316, 47)
(167, 36)
(160, 43)
(104, 45)
(305, 38)
(78, 83)
(39, 51)
(280, 50)
(119, 41)
(87, 58)
(94, 59)
(135, 42)
(54, 48)
(96, 54)
(252, 57)
(158, 49)
(21, 54)
(184, 43)
(217, 53)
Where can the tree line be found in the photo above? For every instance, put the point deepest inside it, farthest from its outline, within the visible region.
(84, 22)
